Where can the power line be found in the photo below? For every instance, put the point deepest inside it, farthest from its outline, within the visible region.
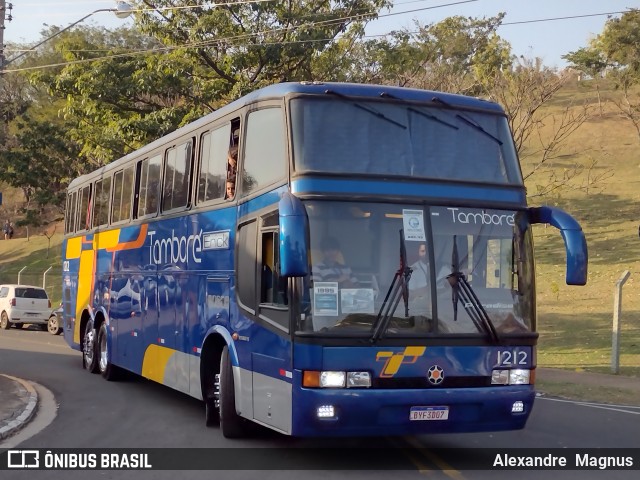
(208, 43)
(571, 17)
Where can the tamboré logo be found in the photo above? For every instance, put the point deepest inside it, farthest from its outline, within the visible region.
(393, 360)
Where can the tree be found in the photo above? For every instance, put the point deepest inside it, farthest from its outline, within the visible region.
(455, 55)
(620, 44)
(181, 63)
(589, 61)
(539, 133)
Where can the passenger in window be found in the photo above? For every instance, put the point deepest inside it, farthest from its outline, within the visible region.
(420, 270)
(419, 289)
(232, 169)
(231, 190)
(332, 267)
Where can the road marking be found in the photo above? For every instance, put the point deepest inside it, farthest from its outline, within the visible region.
(447, 469)
(603, 406)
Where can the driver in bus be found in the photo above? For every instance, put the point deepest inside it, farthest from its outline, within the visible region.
(332, 268)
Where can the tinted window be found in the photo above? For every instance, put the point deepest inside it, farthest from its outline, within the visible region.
(386, 138)
(148, 184)
(122, 188)
(101, 209)
(177, 177)
(246, 272)
(265, 159)
(213, 170)
(22, 292)
(70, 218)
(84, 208)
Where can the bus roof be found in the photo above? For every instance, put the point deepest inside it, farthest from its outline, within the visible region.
(280, 90)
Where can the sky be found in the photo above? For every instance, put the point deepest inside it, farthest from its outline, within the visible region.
(548, 40)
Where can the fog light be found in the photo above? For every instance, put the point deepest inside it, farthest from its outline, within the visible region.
(326, 411)
(519, 377)
(500, 377)
(517, 407)
(358, 379)
(332, 379)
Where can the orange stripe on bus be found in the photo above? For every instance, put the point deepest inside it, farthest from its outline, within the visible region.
(137, 243)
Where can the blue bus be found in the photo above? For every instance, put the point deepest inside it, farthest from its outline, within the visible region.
(363, 265)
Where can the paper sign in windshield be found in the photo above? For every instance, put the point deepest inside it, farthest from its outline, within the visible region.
(356, 300)
(413, 223)
(325, 298)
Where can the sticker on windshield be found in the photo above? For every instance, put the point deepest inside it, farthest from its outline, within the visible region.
(325, 298)
(356, 300)
(413, 225)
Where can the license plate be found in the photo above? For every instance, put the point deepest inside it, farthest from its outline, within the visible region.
(32, 314)
(429, 413)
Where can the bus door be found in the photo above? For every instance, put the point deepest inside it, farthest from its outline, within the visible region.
(271, 355)
(264, 295)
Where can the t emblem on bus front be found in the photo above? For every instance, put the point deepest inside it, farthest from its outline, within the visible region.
(393, 360)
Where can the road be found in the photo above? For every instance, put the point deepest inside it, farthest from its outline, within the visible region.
(136, 413)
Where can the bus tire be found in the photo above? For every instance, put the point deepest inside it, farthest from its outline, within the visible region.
(231, 424)
(89, 357)
(108, 371)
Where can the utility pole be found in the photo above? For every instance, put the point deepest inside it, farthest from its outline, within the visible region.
(3, 16)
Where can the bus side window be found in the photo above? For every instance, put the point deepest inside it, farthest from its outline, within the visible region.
(213, 163)
(265, 153)
(101, 203)
(84, 209)
(147, 186)
(177, 177)
(122, 187)
(246, 266)
(274, 299)
(70, 218)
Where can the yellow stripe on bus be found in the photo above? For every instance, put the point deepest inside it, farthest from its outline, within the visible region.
(156, 358)
(74, 248)
(86, 273)
(105, 240)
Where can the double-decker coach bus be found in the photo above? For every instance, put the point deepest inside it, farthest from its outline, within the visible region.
(369, 271)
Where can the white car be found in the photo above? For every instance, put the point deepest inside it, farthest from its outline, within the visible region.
(20, 304)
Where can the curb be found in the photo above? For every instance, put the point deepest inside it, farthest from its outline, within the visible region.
(27, 413)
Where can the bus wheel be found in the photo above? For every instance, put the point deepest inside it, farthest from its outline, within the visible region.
(89, 357)
(108, 371)
(231, 424)
(4, 321)
(212, 402)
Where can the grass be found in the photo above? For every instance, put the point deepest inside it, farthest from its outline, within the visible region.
(574, 322)
(33, 256)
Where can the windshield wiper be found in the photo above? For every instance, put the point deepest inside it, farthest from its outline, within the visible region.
(371, 110)
(397, 289)
(462, 291)
(469, 121)
(420, 112)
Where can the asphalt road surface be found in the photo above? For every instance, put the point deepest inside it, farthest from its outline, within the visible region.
(137, 414)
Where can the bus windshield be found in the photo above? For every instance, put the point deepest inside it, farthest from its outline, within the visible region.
(470, 268)
(341, 135)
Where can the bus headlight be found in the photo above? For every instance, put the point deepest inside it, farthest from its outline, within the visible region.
(517, 376)
(358, 379)
(332, 379)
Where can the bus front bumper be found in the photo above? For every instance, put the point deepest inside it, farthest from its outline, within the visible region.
(360, 412)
